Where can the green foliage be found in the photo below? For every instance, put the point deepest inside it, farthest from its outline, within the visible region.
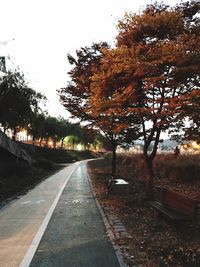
(48, 127)
(18, 102)
(72, 140)
(36, 126)
(101, 142)
(64, 128)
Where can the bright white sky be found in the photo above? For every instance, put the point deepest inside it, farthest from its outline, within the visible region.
(45, 31)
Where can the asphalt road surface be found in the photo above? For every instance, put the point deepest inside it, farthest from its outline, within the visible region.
(56, 225)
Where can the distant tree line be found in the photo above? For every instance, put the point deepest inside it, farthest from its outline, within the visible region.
(18, 102)
(20, 110)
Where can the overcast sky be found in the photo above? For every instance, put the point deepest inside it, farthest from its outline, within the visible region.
(45, 31)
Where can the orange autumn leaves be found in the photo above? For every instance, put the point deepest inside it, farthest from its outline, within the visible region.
(155, 62)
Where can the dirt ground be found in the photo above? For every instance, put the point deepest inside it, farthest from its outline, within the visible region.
(151, 241)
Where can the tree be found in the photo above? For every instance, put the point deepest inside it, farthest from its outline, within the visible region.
(101, 142)
(88, 136)
(17, 101)
(51, 129)
(43, 126)
(107, 105)
(158, 56)
(77, 97)
(64, 129)
(75, 136)
(36, 126)
(74, 97)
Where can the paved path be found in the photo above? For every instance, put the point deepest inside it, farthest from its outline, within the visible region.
(75, 235)
(20, 221)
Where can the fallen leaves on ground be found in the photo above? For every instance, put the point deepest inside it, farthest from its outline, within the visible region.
(152, 241)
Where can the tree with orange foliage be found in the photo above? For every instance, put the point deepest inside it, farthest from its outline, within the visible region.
(77, 98)
(154, 65)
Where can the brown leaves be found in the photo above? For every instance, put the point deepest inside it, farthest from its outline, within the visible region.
(151, 241)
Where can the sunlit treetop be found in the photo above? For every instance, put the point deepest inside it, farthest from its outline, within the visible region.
(159, 22)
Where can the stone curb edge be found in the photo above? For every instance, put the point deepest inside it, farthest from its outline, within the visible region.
(116, 247)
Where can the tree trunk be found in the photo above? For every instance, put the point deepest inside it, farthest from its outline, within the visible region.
(41, 141)
(62, 142)
(149, 160)
(150, 178)
(14, 134)
(113, 160)
(54, 143)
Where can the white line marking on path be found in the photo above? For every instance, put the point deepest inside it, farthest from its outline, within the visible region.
(29, 203)
(26, 203)
(39, 201)
(36, 240)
